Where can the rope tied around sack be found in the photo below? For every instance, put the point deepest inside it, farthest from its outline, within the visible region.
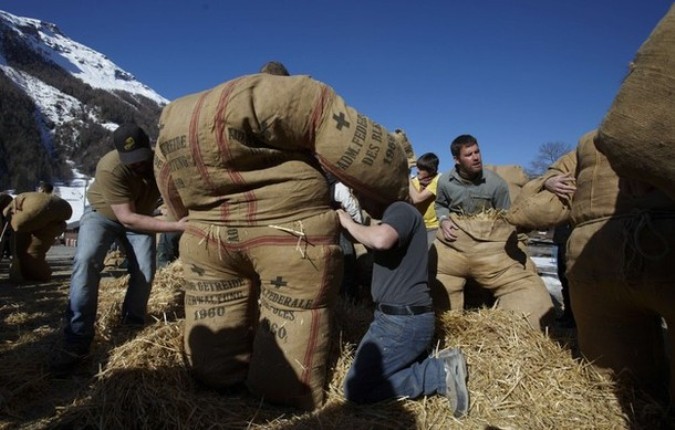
(635, 225)
(210, 235)
(300, 233)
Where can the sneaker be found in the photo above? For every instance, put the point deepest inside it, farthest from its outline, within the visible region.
(64, 361)
(455, 380)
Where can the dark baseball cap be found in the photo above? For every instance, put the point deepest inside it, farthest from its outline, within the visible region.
(132, 144)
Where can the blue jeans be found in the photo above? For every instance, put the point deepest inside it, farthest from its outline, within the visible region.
(97, 233)
(392, 360)
(167, 248)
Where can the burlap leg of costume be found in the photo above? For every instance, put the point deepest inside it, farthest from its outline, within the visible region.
(279, 348)
(35, 266)
(497, 266)
(615, 334)
(448, 271)
(619, 291)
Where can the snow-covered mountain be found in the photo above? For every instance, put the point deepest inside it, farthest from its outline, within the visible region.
(88, 65)
(64, 95)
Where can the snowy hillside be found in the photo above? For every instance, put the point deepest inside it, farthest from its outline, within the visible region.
(63, 99)
(84, 63)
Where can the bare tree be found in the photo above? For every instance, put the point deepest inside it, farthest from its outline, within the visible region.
(547, 154)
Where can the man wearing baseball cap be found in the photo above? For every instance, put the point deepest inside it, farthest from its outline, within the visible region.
(122, 199)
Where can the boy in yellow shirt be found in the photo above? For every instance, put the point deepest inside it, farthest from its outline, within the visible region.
(423, 192)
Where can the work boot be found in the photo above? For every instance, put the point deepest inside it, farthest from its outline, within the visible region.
(455, 380)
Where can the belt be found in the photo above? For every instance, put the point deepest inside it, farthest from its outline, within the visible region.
(403, 309)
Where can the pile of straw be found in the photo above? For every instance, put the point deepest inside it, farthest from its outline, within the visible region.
(518, 379)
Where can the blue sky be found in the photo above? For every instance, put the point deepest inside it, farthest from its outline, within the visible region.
(514, 73)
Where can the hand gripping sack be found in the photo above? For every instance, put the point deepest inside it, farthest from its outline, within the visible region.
(537, 208)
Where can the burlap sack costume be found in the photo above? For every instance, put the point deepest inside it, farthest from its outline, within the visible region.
(536, 208)
(619, 266)
(37, 219)
(261, 249)
(487, 251)
(638, 133)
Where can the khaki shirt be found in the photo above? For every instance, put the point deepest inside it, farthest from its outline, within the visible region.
(116, 183)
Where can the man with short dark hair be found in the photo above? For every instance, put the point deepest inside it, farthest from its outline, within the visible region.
(486, 249)
(123, 197)
(392, 359)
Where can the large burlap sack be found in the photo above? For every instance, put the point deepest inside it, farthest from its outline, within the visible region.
(34, 210)
(235, 152)
(537, 208)
(638, 133)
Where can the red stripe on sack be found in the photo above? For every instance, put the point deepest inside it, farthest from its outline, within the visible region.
(221, 132)
(315, 327)
(224, 148)
(166, 180)
(317, 114)
(195, 149)
(252, 207)
(223, 142)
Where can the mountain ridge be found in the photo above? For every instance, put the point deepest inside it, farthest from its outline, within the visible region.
(60, 101)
